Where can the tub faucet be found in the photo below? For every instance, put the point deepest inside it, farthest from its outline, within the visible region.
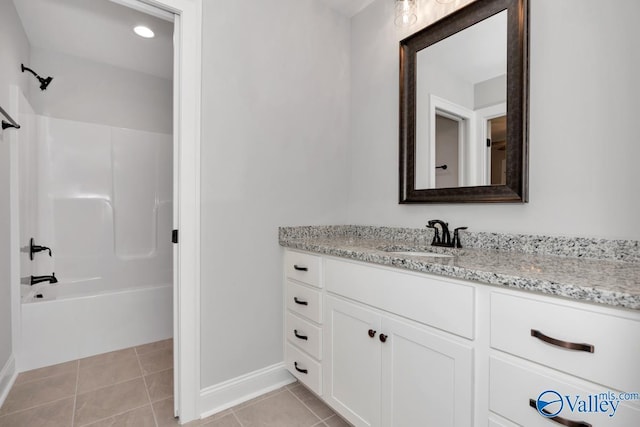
(40, 279)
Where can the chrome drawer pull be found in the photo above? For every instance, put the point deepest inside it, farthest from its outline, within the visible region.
(305, 371)
(299, 268)
(302, 337)
(298, 301)
(560, 420)
(564, 344)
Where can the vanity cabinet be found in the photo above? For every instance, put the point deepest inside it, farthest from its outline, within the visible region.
(394, 348)
(572, 350)
(381, 370)
(385, 368)
(303, 318)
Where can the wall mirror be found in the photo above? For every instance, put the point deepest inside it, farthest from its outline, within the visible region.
(464, 107)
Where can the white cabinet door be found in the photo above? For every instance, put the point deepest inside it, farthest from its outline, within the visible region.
(426, 377)
(352, 357)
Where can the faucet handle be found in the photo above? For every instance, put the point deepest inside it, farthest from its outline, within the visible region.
(456, 237)
(436, 233)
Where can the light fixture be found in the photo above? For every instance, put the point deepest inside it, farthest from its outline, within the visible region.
(143, 31)
(406, 12)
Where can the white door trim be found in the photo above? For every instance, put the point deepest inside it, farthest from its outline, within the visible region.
(186, 131)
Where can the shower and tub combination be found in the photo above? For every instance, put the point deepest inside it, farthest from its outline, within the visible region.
(97, 202)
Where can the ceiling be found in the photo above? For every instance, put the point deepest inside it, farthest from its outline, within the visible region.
(101, 31)
(348, 7)
(476, 54)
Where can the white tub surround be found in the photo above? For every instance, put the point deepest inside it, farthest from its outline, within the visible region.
(581, 269)
(69, 323)
(101, 198)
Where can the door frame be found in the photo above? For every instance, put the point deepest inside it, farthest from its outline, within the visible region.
(187, 82)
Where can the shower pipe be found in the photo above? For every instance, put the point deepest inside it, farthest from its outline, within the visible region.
(11, 123)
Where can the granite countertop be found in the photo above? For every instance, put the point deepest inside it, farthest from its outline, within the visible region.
(598, 271)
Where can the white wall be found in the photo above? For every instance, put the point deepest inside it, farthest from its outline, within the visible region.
(274, 152)
(15, 50)
(94, 92)
(584, 104)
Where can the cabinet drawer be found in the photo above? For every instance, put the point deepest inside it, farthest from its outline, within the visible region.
(439, 303)
(304, 301)
(514, 382)
(304, 335)
(303, 268)
(615, 340)
(303, 367)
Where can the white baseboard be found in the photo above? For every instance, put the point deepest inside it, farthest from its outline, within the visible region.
(8, 376)
(237, 390)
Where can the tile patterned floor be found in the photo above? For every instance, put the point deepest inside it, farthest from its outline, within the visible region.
(134, 388)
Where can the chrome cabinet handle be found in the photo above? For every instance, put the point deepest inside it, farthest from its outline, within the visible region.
(305, 371)
(560, 420)
(300, 268)
(564, 344)
(298, 301)
(302, 337)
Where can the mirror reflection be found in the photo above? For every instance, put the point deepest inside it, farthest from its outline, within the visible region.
(461, 93)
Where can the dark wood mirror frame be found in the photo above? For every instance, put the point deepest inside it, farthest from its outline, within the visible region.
(516, 188)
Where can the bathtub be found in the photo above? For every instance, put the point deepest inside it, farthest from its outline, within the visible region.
(84, 318)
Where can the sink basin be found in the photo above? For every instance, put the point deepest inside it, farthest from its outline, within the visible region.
(420, 253)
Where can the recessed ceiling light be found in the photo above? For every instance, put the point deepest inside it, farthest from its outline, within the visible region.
(143, 31)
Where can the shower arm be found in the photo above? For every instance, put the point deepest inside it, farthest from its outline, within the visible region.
(23, 68)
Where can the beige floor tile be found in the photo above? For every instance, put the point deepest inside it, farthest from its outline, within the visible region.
(258, 399)
(164, 415)
(56, 414)
(281, 409)
(155, 346)
(336, 421)
(160, 385)
(312, 402)
(38, 392)
(106, 358)
(229, 420)
(214, 417)
(49, 371)
(109, 401)
(105, 372)
(155, 361)
(140, 417)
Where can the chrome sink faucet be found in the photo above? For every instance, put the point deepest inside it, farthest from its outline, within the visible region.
(445, 240)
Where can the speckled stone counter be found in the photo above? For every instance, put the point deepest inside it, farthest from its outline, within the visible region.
(593, 270)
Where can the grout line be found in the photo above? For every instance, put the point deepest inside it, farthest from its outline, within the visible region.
(75, 395)
(36, 406)
(305, 405)
(45, 377)
(146, 389)
(114, 415)
(237, 419)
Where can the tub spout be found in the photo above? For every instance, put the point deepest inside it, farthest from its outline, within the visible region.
(40, 279)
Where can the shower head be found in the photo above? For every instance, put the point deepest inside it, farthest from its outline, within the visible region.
(43, 82)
